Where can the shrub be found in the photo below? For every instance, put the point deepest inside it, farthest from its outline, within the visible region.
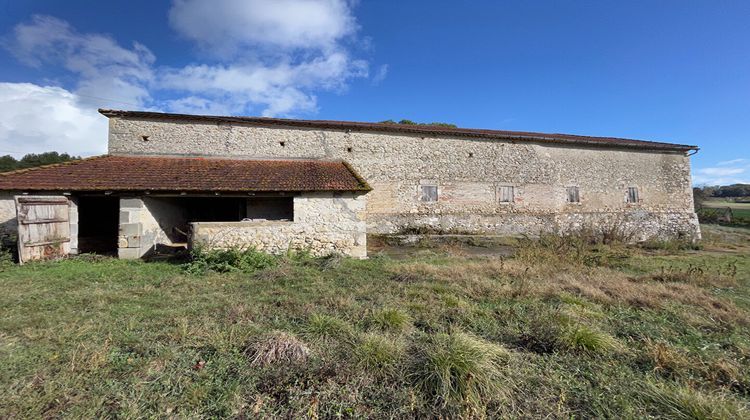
(699, 274)
(393, 320)
(228, 260)
(676, 402)
(456, 369)
(377, 354)
(578, 248)
(278, 347)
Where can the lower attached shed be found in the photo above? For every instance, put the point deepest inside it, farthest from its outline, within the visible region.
(133, 206)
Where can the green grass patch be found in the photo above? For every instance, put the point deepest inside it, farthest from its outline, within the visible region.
(563, 330)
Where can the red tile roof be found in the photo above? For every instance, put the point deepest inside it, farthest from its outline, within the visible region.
(427, 130)
(137, 173)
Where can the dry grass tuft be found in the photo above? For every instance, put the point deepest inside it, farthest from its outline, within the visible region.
(278, 347)
(667, 360)
(678, 402)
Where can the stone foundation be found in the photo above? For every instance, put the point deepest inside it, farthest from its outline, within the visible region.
(636, 226)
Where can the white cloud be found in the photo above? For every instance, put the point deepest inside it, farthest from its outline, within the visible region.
(283, 88)
(104, 68)
(275, 54)
(735, 171)
(734, 162)
(38, 119)
(380, 75)
(224, 26)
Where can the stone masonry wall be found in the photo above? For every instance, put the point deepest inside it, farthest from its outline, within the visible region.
(467, 172)
(324, 223)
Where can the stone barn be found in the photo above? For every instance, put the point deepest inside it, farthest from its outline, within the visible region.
(173, 180)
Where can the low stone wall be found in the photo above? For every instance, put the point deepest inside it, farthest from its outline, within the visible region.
(275, 238)
(323, 224)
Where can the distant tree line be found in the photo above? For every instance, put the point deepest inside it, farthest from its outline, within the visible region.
(725, 191)
(9, 163)
(410, 122)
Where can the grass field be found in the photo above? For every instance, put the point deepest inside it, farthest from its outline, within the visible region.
(562, 329)
(738, 209)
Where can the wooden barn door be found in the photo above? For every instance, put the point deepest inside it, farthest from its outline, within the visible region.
(43, 227)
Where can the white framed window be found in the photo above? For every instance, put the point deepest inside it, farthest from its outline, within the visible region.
(428, 193)
(506, 193)
(573, 194)
(633, 196)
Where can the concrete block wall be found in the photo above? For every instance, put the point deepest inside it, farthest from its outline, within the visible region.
(145, 222)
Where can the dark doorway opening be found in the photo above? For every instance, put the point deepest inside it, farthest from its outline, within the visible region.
(98, 224)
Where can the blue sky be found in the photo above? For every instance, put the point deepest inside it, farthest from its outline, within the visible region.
(670, 70)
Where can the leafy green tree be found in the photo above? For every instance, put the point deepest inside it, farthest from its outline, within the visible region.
(410, 122)
(9, 163)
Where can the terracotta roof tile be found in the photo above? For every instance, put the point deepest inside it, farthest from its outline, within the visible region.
(137, 173)
(428, 130)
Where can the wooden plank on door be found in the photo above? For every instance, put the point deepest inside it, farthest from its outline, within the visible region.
(43, 227)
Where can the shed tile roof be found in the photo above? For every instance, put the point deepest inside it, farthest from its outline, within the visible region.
(428, 130)
(141, 173)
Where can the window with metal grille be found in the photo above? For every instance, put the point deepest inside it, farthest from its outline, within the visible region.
(573, 196)
(633, 195)
(506, 194)
(429, 193)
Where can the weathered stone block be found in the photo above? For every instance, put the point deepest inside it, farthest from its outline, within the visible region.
(129, 253)
(131, 203)
(130, 229)
(125, 216)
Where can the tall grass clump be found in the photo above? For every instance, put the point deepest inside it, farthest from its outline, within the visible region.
(377, 354)
(326, 327)
(457, 370)
(230, 260)
(679, 402)
(587, 340)
(392, 320)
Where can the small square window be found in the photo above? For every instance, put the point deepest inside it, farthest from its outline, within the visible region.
(573, 195)
(633, 195)
(506, 194)
(429, 193)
